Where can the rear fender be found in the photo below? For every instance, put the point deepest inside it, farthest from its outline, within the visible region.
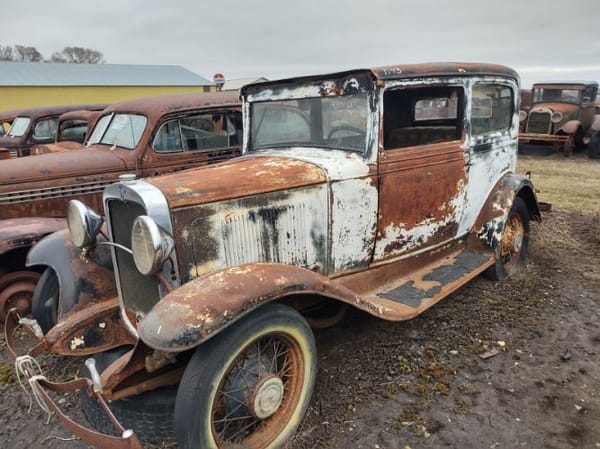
(18, 233)
(203, 307)
(487, 231)
(83, 278)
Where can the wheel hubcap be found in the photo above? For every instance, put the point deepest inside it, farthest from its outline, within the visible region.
(267, 397)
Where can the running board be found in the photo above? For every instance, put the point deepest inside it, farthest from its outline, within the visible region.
(421, 289)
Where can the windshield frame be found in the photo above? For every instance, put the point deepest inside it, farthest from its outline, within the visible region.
(317, 119)
(539, 96)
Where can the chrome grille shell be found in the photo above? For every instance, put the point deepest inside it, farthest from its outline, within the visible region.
(123, 202)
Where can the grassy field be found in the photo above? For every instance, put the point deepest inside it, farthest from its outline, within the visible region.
(568, 183)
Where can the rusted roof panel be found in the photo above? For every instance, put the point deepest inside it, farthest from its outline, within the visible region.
(155, 107)
(50, 110)
(401, 71)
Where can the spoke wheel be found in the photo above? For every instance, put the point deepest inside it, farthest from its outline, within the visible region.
(250, 385)
(512, 254)
(16, 290)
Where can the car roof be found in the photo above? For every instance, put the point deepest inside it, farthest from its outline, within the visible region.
(49, 110)
(155, 107)
(401, 71)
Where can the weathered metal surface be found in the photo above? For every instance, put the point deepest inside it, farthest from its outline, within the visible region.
(83, 278)
(25, 232)
(191, 314)
(245, 177)
(95, 328)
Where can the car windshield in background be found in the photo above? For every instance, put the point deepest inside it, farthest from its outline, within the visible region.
(19, 126)
(337, 122)
(544, 95)
(120, 130)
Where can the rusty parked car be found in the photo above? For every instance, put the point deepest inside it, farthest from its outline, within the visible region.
(142, 137)
(383, 189)
(562, 114)
(36, 126)
(71, 132)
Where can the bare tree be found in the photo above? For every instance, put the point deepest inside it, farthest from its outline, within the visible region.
(6, 53)
(27, 54)
(78, 55)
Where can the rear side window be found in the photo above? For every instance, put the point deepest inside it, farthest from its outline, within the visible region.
(197, 133)
(491, 109)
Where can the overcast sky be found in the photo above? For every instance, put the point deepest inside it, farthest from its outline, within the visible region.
(542, 39)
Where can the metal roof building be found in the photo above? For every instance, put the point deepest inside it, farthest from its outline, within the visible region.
(28, 84)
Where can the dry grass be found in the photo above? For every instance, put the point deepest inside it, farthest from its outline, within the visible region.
(568, 183)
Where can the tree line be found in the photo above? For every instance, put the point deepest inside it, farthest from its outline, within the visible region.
(72, 55)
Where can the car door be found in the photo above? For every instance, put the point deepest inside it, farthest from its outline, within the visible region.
(492, 143)
(422, 176)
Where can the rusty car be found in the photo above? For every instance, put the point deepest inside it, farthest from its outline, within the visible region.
(71, 132)
(562, 114)
(36, 126)
(143, 137)
(383, 189)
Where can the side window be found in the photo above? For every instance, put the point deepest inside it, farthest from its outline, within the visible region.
(422, 116)
(491, 110)
(45, 129)
(73, 130)
(168, 138)
(589, 94)
(197, 133)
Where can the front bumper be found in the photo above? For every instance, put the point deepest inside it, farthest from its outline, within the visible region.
(29, 375)
(558, 140)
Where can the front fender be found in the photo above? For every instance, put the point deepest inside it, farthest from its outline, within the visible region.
(201, 308)
(489, 225)
(570, 127)
(17, 233)
(82, 279)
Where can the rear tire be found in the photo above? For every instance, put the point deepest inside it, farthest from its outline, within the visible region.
(512, 250)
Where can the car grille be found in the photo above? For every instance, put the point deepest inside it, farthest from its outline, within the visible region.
(138, 292)
(539, 122)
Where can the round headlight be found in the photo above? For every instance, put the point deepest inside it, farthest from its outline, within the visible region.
(150, 245)
(522, 115)
(84, 224)
(556, 117)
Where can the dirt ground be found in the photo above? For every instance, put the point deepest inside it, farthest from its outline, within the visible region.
(513, 364)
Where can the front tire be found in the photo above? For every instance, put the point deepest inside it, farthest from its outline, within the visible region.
(512, 251)
(250, 385)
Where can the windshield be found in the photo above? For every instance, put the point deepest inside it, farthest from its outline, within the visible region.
(545, 95)
(120, 130)
(337, 122)
(19, 126)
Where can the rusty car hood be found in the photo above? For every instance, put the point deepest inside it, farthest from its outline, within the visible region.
(240, 177)
(54, 166)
